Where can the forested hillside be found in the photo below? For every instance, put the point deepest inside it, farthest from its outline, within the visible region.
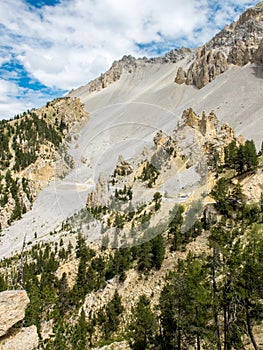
(197, 287)
(30, 145)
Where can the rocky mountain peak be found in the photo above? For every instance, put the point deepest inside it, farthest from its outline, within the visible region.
(239, 43)
(129, 64)
(248, 29)
(254, 14)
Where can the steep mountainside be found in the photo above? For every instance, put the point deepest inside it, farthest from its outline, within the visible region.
(34, 152)
(239, 43)
(149, 83)
(141, 172)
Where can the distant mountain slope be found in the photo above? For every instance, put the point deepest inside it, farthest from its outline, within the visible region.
(157, 172)
(33, 152)
(132, 83)
(132, 102)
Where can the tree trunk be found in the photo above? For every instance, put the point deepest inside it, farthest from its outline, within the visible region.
(214, 303)
(227, 344)
(179, 339)
(249, 328)
(198, 342)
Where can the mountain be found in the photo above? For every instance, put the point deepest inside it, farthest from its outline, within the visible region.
(236, 51)
(148, 169)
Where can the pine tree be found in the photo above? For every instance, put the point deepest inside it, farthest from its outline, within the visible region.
(143, 325)
(251, 284)
(63, 294)
(230, 155)
(184, 306)
(251, 158)
(158, 251)
(112, 315)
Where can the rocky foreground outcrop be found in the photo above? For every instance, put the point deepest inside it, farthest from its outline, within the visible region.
(115, 346)
(101, 194)
(13, 304)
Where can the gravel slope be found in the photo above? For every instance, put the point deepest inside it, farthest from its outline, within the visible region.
(123, 119)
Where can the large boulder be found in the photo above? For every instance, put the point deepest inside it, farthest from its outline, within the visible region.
(13, 304)
(20, 339)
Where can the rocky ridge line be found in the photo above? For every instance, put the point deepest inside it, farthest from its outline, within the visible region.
(239, 43)
(130, 63)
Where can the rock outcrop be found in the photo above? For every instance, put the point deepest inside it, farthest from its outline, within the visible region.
(258, 56)
(174, 56)
(123, 168)
(20, 339)
(12, 308)
(197, 135)
(129, 63)
(181, 76)
(206, 67)
(100, 196)
(107, 78)
(241, 39)
(239, 43)
(13, 304)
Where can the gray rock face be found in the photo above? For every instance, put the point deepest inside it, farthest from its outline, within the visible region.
(12, 308)
(100, 196)
(238, 43)
(258, 56)
(112, 75)
(248, 30)
(176, 55)
(130, 63)
(206, 67)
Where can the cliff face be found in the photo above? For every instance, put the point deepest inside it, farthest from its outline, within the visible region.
(258, 56)
(239, 43)
(206, 67)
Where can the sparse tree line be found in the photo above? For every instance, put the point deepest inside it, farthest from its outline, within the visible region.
(238, 157)
(21, 139)
(209, 301)
(20, 143)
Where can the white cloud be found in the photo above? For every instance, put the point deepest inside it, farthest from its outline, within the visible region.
(67, 45)
(60, 45)
(15, 99)
(9, 103)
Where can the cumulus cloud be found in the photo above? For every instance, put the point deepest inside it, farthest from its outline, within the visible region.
(9, 102)
(66, 45)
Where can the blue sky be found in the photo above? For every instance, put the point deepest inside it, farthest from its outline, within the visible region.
(48, 47)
